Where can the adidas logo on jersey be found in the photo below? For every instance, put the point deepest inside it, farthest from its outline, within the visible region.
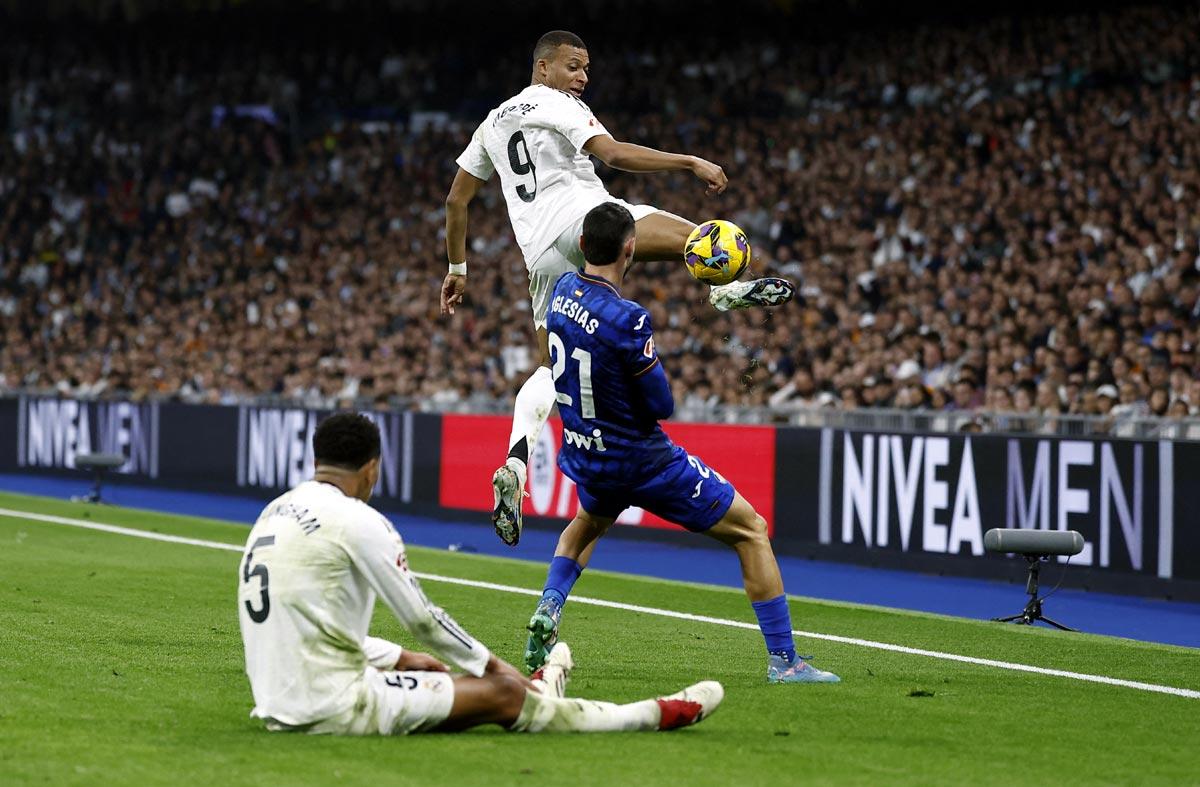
(585, 442)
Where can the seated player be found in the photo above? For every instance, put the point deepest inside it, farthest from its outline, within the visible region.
(314, 563)
(612, 392)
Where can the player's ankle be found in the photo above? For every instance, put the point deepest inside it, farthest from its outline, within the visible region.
(552, 596)
(518, 467)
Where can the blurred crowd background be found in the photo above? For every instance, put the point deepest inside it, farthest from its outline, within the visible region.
(993, 214)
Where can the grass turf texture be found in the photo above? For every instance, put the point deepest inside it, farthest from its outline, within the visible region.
(121, 663)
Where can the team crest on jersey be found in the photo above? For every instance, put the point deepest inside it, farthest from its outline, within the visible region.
(402, 561)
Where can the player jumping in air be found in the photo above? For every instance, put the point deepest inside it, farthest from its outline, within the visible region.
(314, 563)
(612, 392)
(539, 141)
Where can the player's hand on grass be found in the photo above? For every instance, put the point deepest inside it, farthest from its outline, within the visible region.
(453, 289)
(419, 662)
(711, 174)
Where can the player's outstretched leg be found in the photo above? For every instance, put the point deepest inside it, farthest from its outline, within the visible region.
(662, 235)
(574, 549)
(532, 408)
(681, 709)
(744, 530)
(506, 700)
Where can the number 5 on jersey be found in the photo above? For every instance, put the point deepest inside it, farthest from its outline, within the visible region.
(250, 571)
(558, 355)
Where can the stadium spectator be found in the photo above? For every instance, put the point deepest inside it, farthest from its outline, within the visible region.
(1016, 199)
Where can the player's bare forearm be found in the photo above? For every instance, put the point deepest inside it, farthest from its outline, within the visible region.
(638, 158)
(456, 232)
(462, 191)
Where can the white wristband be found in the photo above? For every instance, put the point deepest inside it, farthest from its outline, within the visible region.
(458, 268)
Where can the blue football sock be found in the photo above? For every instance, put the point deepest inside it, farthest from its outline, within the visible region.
(775, 622)
(560, 579)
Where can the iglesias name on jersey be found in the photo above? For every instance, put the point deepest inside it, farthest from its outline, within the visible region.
(603, 356)
(535, 141)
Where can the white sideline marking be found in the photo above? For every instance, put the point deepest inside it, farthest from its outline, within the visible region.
(664, 613)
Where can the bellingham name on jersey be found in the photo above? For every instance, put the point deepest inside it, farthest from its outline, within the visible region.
(610, 386)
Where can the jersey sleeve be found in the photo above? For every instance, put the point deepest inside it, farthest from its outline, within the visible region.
(574, 120)
(638, 342)
(655, 400)
(380, 653)
(378, 553)
(475, 159)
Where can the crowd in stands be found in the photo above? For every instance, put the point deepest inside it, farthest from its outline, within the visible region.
(1001, 216)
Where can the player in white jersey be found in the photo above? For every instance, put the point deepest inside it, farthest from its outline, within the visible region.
(539, 141)
(314, 563)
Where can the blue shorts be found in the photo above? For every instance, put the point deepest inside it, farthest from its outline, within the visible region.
(685, 492)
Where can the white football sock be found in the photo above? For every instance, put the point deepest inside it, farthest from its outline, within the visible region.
(552, 714)
(534, 402)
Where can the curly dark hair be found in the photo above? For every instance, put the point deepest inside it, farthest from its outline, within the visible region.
(348, 440)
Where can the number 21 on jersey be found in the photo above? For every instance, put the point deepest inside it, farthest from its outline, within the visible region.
(558, 355)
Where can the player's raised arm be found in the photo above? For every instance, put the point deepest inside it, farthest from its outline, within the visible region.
(638, 158)
(462, 191)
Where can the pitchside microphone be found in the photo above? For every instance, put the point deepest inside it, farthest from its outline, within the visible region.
(1035, 546)
(1033, 542)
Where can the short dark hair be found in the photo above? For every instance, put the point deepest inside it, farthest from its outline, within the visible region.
(553, 40)
(606, 227)
(348, 440)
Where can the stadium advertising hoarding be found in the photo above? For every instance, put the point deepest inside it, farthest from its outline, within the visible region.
(274, 451)
(208, 447)
(472, 446)
(48, 434)
(901, 500)
(879, 496)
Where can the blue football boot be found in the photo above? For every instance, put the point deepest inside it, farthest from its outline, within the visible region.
(798, 670)
(543, 633)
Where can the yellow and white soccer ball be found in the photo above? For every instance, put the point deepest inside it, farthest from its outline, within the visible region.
(717, 252)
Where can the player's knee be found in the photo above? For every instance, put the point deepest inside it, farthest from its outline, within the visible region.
(595, 527)
(758, 529)
(509, 694)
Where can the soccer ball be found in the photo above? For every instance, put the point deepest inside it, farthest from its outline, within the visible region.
(717, 252)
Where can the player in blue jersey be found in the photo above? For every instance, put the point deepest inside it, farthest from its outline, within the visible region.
(612, 392)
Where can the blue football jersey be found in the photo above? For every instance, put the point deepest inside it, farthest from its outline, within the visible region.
(600, 345)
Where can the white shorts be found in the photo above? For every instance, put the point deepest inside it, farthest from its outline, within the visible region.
(564, 256)
(393, 703)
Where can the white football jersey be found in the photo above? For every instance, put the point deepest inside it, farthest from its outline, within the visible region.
(535, 141)
(313, 565)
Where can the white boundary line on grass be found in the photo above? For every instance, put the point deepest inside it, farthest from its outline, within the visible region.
(664, 613)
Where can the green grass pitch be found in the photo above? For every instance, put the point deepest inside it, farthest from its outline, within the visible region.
(121, 663)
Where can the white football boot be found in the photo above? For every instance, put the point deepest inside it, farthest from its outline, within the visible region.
(690, 706)
(552, 677)
(768, 291)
